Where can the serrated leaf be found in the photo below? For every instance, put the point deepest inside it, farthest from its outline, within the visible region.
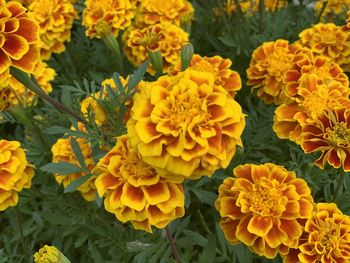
(55, 130)
(76, 183)
(137, 75)
(209, 251)
(61, 168)
(78, 153)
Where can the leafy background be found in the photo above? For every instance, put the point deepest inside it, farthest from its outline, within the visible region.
(84, 231)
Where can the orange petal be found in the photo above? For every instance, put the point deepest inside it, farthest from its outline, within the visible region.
(28, 61)
(243, 234)
(260, 225)
(15, 46)
(5, 62)
(28, 29)
(156, 193)
(133, 197)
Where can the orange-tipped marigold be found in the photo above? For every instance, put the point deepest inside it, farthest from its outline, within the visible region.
(134, 191)
(219, 67)
(19, 39)
(101, 17)
(62, 151)
(326, 237)
(186, 125)
(55, 18)
(16, 173)
(330, 135)
(333, 7)
(261, 206)
(330, 41)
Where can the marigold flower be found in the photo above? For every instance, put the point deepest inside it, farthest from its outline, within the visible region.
(49, 254)
(168, 39)
(107, 16)
(252, 6)
(267, 69)
(261, 206)
(16, 173)
(326, 237)
(186, 125)
(305, 64)
(19, 94)
(55, 18)
(165, 12)
(219, 67)
(333, 7)
(330, 135)
(312, 99)
(62, 151)
(19, 37)
(134, 191)
(330, 41)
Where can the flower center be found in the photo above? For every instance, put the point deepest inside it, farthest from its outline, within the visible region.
(279, 63)
(136, 166)
(102, 28)
(328, 236)
(203, 66)
(149, 39)
(339, 135)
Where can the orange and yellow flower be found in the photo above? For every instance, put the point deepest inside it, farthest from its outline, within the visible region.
(50, 254)
(16, 173)
(326, 237)
(134, 191)
(55, 18)
(252, 6)
(152, 12)
(267, 69)
(101, 17)
(261, 206)
(314, 96)
(186, 125)
(328, 40)
(19, 39)
(167, 38)
(219, 67)
(62, 151)
(333, 7)
(330, 135)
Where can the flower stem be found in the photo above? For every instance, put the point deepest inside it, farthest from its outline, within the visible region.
(262, 14)
(112, 44)
(172, 245)
(324, 5)
(340, 183)
(19, 220)
(33, 86)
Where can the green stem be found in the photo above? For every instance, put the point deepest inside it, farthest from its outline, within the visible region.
(172, 245)
(340, 183)
(33, 86)
(112, 44)
(324, 5)
(262, 15)
(156, 61)
(239, 9)
(19, 220)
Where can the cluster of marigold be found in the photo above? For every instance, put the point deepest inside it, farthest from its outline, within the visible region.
(265, 206)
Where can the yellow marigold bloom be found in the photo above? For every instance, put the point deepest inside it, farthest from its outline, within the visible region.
(50, 254)
(330, 135)
(55, 18)
(219, 67)
(261, 206)
(186, 125)
(163, 12)
(250, 7)
(21, 95)
(305, 64)
(166, 38)
(326, 237)
(330, 41)
(134, 191)
(312, 99)
(103, 16)
(62, 151)
(19, 39)
(333, 7)
(267, 69)
(16, 173)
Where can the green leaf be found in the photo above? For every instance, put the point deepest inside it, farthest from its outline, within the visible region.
(55, 130)
(78, 153)
(61, 168)
(209, 251)
(137, 76)
(76, 183)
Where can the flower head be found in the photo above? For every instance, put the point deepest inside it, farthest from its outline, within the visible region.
(62, 151)
(314, 96)
(252, 6)
(134, 191)
(326, 237)
(333, 7)
(267, 69)
(328, 40)
(107, 16)
(330, 135)
(186, 125)
(168, 39)
(261, 206)
(19, 39)
(55, 18)
(219, 67)
(49, 254)
(15, 173)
